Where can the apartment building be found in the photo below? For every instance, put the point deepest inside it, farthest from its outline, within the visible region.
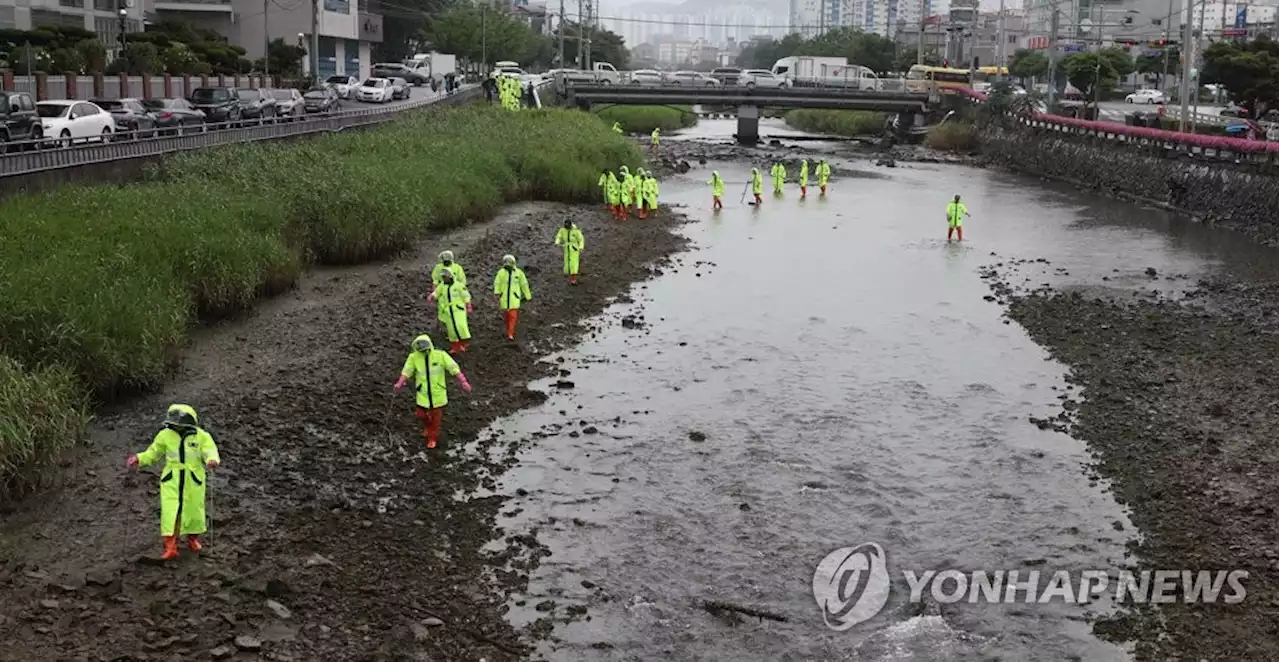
(348, 29)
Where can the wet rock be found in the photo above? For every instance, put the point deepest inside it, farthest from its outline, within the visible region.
(246, 643)
(564, 384)
(101, 576)
(222, 652)
(317, 560)
(432, 622)
(590, 429)
(49, 604)
(696, 435)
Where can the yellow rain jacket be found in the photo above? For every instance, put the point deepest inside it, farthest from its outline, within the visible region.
(955, 214)
(512, 288)
(804, 172)
(604, 185)
(459, 276)
(653, 137)
(651, 192)
(617, 128)
(613, 190)
(717, 185)
(572, 242)
(451, 308)
(757, 182)
(427, 370)
(779, 173)
(182, 482)
(824, 173)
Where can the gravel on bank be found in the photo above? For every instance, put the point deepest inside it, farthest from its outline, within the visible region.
(334, 537)
(1177, 401)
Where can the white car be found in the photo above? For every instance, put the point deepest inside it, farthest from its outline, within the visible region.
(66, 121)
(375, 90)
(517, 73)
(646, 77)
(343, 85)
(1145, 96)
(760, 78)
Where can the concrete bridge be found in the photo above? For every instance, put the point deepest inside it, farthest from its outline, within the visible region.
(749, 101)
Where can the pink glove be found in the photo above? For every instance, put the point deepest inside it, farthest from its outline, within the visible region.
(462, 380)
(431, 297)
(401, 382)
(469, 309)
(212, 464)
(132, 461)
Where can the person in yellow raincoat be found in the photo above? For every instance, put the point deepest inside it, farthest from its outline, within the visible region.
(717, 190)
(512, 289)
(653, 139)
(956, 211)
(189, 452)
(649, 194)
(824, 174)
(804, 178)
(571, 241)
(757, 185)
(617, 128)
(426, 366)
(453, 304)
(637, 194)
(779, 173)
(627, 181)
(613, 190)
(446, 263)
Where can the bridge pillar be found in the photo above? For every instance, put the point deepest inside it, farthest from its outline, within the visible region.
(748, 125)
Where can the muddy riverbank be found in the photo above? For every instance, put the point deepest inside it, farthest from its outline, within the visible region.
(1177, 400)
(335, 536)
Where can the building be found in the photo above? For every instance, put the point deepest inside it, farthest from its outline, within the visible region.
(907, 36)
(101, 16)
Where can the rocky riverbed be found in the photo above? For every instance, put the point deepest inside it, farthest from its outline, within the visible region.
(1177, 400)
(335, 535)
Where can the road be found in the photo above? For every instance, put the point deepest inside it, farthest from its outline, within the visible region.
(1114, 111)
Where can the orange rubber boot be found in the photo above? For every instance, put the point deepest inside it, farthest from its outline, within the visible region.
(462, 345)
(804, 190)
(510, 317)
(170, 548)
(573, 279)
(193, 543)
(824, 190)
(950, 231)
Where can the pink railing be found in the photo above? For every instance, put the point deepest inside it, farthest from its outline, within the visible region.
(1206, 142)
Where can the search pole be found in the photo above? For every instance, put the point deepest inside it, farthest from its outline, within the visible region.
(1186, 67)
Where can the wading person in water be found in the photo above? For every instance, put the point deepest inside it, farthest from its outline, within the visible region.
(956, 211)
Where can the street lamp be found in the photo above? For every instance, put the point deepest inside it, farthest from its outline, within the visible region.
(124, 23)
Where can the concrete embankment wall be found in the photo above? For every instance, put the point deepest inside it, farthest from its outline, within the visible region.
(1242, 196)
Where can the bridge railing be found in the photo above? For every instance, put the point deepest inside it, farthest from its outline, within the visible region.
(37, 158)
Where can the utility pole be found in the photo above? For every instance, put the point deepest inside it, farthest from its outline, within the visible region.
(315, 41)
(562, 35)
(579, 33)
(920, 40)
(484, 39)
(266, 42)
(1053, 58)
(1187, 54)
(1000, 49)
(590, 27)
(1164, 77)
(1195, 94)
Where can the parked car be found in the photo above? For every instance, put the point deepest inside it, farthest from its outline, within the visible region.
(519, 74)
(344, 85)
(176, 116)
(691, 78)
(1145, 96)
(18, 119)
(288, 104)
(257, 105)
(132, 119)
(400, 88)
(397, 70)
(646, 77)
(220, 105)
(762, 78)
(374, 90)
(66, 121)
(321, 100)
(726, 75)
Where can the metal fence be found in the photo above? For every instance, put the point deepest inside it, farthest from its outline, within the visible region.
(117, 87)
(37, 160)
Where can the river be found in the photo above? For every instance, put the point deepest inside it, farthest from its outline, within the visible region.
(853, 385)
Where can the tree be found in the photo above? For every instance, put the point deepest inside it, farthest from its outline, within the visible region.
(1248, 71)
(65, 61)
(1089, 73)
(285, 59)
(93, 54)
(178, 58)
(863, 48)
(605, 46)
(138, 58)
(405, 27)
(1027, 64)
(31, 59)
(907, 59)
(1121, 61)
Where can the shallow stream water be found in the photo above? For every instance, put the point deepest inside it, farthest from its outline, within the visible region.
(853, 386)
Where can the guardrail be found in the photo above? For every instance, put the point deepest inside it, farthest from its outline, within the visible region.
(38, 160)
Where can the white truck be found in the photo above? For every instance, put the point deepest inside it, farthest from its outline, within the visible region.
(804, 71)
(434, 65)
(601, 73)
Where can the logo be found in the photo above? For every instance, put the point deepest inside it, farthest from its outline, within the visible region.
(851, 585)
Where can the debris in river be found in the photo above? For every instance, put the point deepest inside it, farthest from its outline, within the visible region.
(729, 610)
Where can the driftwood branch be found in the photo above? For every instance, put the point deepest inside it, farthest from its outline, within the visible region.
(721, 608)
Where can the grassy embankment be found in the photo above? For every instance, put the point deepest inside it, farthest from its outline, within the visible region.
(836, 122)
(99, 285)
(644, 119)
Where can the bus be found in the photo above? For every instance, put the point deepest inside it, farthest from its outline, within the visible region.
(921, 78)
(985, 76)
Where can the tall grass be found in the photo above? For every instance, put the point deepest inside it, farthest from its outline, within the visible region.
(42, 412)
(104, 281)
(644, 119)
(836, 122)
(953, 137)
